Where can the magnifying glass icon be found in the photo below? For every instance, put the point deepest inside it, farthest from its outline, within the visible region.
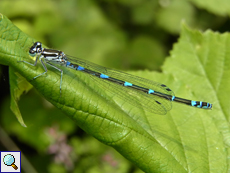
(9, 160)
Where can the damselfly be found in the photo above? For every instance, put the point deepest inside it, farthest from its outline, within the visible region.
(152, 96)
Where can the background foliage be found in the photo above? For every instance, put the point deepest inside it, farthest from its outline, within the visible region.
(127, 35)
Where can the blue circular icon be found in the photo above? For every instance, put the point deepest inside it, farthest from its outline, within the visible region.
(8, 159)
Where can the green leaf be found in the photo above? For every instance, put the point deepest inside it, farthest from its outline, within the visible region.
(18, 85)
(187, 139)
(217, 7)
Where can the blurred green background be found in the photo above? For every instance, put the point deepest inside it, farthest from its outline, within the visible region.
(122, 34)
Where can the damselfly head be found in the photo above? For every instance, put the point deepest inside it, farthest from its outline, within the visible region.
(36, 48)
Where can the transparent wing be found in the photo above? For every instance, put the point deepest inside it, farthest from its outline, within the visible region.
(134, 97)
(131, 96)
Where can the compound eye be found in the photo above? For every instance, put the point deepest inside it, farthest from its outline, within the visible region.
(32, 52)
(38, 44)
